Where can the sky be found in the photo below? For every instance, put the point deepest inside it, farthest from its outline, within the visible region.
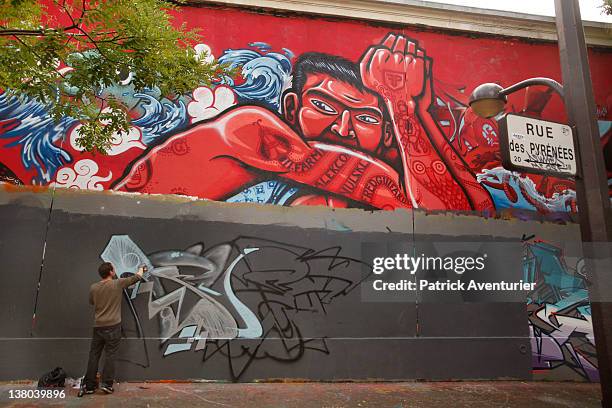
(589, 9)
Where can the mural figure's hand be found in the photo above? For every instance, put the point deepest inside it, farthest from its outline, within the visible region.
(396, 69)
(435, 177)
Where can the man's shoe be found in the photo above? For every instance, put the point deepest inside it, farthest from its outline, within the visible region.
(84, 391)
(107, 389)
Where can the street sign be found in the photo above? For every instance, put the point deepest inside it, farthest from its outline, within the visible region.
(537, 146)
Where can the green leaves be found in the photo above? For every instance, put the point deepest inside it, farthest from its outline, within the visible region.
(67, 53)
(101, 130)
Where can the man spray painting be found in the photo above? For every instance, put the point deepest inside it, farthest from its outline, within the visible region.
(105, 296)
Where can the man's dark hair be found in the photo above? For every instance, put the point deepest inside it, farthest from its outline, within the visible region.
(334, 66)
(105, 269)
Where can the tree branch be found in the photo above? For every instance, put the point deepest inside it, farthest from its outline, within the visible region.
(37, 55)
(11, 31)
(95, 44)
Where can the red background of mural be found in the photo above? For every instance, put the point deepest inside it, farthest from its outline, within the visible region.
(461, 61)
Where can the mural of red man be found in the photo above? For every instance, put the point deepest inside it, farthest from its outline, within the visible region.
(350, 135)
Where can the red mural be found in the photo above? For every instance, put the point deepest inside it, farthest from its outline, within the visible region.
(357, 116)
(354, 133)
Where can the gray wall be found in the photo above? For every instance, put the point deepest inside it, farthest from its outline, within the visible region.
(303, 286)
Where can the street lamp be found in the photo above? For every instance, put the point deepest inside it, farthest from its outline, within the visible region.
(489, 100)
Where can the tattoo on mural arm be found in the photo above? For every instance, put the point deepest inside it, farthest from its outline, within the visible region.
(466, 184)
(435, 176)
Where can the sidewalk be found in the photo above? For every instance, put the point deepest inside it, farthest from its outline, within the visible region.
(331, 395)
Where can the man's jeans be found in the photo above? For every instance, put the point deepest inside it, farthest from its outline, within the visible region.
(107, 339)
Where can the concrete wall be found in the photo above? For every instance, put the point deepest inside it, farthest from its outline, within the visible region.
(302, 285)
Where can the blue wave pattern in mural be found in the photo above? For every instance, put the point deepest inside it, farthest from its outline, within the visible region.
(527, 195)
(160, 118)
(36, 134)
(39, 135)
(266, 74)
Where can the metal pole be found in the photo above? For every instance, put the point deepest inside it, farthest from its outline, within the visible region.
(550, 83)
(591, 185)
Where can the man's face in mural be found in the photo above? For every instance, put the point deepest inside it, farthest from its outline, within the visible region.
(336, 112)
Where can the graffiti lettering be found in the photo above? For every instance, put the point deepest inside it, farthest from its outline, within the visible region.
(220, 276)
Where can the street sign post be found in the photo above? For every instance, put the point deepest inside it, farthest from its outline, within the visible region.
(537, 146)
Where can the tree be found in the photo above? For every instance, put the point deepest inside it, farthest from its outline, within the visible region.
(63, 52)
(607, 6)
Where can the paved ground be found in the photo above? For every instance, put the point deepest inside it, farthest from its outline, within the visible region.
(329, 395)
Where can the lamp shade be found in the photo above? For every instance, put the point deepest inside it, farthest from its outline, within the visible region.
(487, 100)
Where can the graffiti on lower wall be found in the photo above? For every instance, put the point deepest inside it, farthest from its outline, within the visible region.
(559, 312)
(198, 296)
(381, 131)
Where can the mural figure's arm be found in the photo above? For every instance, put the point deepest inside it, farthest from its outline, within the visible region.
(194, 163)
(219, 158)
(435, 176)
(479, 197)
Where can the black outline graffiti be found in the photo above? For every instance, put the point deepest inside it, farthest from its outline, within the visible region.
(306, 281)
